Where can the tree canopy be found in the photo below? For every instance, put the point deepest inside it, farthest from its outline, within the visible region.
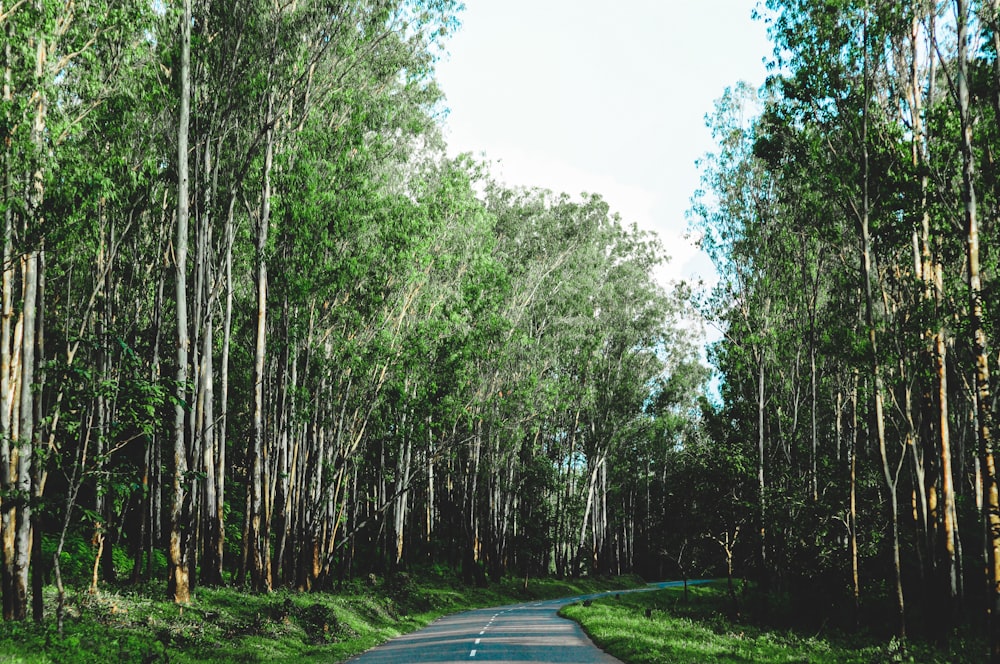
(851, 212)
(258, 329)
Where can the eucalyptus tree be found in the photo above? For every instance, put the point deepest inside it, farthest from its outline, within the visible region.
(102, 270)
(845, 90)
(426, 249)
(977, 328)
(630, 313)
(420, 369)
(531, 252)
(179, 573)
(856, 153)
(57, 70)
(737, 216)
(18, 353)
(658, 534)
(262, 76)
(573, 368)
(915, 63)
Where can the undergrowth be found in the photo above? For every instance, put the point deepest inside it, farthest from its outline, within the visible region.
(226, 625)
(663, 626)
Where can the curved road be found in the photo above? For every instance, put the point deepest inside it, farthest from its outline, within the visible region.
(531, 632)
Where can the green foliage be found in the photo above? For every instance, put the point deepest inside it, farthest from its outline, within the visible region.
(833, 208)
(440, 354)
(667, 626)
(225, 625)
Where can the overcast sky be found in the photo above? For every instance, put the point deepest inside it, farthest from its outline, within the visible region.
(601, 96)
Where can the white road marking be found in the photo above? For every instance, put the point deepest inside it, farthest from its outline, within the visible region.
(472, 654)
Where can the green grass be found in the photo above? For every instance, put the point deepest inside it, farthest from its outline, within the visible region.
(698, 630)
(225, 625)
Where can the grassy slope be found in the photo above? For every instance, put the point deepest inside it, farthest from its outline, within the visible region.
(698, 631)
(225, 625)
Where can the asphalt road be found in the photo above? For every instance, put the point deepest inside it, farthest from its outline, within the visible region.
(531, 632)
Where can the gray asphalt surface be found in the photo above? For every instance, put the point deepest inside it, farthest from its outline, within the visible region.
(515, 634)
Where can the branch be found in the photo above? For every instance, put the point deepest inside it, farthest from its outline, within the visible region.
(9, 12)
(77, 120)
(69, 57)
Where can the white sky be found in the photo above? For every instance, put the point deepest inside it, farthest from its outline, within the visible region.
(608, 97)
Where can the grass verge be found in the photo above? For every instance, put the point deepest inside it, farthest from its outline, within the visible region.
(226, 625)
(661, 626)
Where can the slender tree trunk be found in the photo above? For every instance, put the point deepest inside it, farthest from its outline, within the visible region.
(179, 586)
(211, 560)
(853, 505)
(38, 471)
(227, 328)
(984, 412)
(401, 492)
(429, 517)
(25, 437)
(591, 489)
(876, 371)
(284, 501)
(930, 272)
(8, 510)
(154, 454)
(22, 537)
(949, 510)
(814, 407)
(761, 496)
(259, 535)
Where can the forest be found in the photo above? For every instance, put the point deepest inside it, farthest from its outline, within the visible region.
(851, 209)
(258, 330)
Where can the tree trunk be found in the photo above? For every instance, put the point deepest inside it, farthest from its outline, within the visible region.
(853, 505)
(8, 510)
(876, 371)
(761, 496)
(227, 328)
(259, 534)
(178, 585)
(24, 455)
(23, 522)
(984, 412)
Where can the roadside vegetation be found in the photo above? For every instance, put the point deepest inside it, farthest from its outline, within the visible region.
(230, 625)
(706, 626)
(259, 333)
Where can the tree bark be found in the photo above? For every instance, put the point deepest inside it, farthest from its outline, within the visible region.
(178, 585)
(876, 370)
(980, 344)
(8, 509)
(761, 495)
(259, 532)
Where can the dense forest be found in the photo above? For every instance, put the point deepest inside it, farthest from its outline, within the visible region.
(851, 208)
(257, 329)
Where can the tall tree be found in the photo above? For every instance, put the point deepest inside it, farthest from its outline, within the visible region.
(180, 523)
